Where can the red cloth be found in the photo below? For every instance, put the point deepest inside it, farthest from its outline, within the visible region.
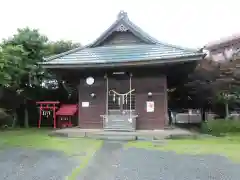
(67, 110)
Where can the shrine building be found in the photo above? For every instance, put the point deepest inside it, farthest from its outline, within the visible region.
(123, 77)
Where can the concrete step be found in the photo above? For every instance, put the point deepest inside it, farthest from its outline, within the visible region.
(115, 136)
(119, 129)
(119, 126)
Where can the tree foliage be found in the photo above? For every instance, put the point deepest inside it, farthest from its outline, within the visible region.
(20, 55)
(19, 62)
(214, 83)
(57, 47)
(12, 66)
(28, 47)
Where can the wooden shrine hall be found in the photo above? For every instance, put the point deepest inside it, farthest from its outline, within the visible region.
(123, 76)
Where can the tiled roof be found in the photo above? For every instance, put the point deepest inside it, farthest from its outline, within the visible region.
(151, 50)
(67, 110)
(124, 53)
(223, 41)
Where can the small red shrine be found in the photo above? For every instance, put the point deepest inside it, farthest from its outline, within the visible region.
(62, 117)
(65, 115)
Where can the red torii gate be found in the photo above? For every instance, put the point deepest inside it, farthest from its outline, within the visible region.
(47, 105)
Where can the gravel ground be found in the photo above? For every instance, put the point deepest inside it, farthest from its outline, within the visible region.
(28, 164)
(112, 162)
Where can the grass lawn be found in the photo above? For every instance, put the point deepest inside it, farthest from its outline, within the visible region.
(82, 148)
(227, 146)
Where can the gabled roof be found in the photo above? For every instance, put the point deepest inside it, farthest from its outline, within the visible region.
(124, 22)
(67, 110)
(124, 53)
(94, 54)
(226, 41)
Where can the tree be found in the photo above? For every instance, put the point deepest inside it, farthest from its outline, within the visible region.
(57, 47)
(53, 48)
(228, 84)
(214, 82)
(12, 66)
(19, 58)
(34, 45)
(198, 90)
(21, 54)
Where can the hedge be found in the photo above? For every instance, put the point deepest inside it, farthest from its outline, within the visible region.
(221, 126)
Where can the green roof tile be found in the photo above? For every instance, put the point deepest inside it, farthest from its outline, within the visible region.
(152, 50)
(124, 53)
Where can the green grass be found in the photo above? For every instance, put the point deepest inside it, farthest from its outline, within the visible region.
(81, 148)
(220, 126)
(227, 146)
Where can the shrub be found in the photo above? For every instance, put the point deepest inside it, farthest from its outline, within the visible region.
(221, 126)
(5, 118)
(3, 113)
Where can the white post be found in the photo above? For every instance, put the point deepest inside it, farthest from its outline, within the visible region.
(106, 114)
(107, 97)
(130, 100)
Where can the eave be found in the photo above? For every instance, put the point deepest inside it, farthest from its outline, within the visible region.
(148, 62)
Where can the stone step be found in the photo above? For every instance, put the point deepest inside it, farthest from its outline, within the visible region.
(114, 136)
(118, 126)
(119, 129)
(119, 122)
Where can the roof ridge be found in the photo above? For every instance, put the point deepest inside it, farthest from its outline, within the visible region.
(178, 47)
(222, 41)
(136, 27)
(122, 17)
(157, 41)
(63, 53)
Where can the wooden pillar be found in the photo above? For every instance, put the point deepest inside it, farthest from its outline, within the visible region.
(106, 111)
(79, 103)
(166, 102)
(130, 99)
(40, 116)
(54, 116)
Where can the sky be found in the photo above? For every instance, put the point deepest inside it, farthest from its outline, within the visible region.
(188, 23)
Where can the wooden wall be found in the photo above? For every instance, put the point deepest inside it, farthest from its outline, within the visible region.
(157, 86)
(89, 117)
(121, 38)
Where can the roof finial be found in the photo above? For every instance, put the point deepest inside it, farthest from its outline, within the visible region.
(122, 15)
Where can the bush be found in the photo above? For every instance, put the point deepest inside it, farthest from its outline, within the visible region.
(221, 126)
(3, 113)
(5, 118)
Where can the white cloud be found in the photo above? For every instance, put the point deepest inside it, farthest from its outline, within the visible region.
(186, 22)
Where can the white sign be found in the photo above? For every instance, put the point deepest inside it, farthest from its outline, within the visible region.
(85, 104)
(150, 106)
